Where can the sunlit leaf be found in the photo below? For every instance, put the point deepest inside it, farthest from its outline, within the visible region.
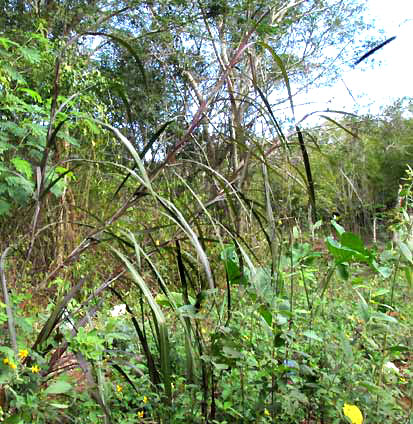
(22, 166)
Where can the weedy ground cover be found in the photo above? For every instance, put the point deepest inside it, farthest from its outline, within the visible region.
(334, 339)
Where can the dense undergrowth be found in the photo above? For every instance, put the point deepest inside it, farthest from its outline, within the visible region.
(174, 252)
(328, 327)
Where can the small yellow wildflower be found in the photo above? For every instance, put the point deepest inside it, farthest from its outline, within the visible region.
(353, 413)
(267, 412)
(118, 388)
(5, 361)
(403, 380)
(12, 365)
(35, 369)
(145, 399)
(23, 353)
(140, 414)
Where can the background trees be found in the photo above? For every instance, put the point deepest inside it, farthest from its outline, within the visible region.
(155, 148)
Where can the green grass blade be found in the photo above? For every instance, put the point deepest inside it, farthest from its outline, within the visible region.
(160, 322)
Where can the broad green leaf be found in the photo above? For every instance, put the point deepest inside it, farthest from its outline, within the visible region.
(339, 253)
(58, 387)
(342, 270)
(312, 335)
(281, 319)
(340, 230)
(4, 207)
(61, 170)
(266, 314)
(22, 166)
(384, 271)
(231, 262)
(404, 249)
(364, 308)
(352, 241)
(229, 352)
(220, 367)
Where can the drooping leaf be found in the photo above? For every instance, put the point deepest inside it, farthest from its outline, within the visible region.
(342, 270)
(58, 388)
(340, 230)
(231, 263)
(404, 249)
(32, 93)
(266, 314)
(380, 316)
(364, 308)
(339, 253)
(5, 42)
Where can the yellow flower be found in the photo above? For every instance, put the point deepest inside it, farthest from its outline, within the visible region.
(23, 353)
(5, 361)
(145, 399)
(118, 388)
(353, 413)
(140, 414)
(12, 365)
(35, 369)
(267, 412)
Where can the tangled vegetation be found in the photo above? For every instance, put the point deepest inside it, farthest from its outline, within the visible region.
(173, 248)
